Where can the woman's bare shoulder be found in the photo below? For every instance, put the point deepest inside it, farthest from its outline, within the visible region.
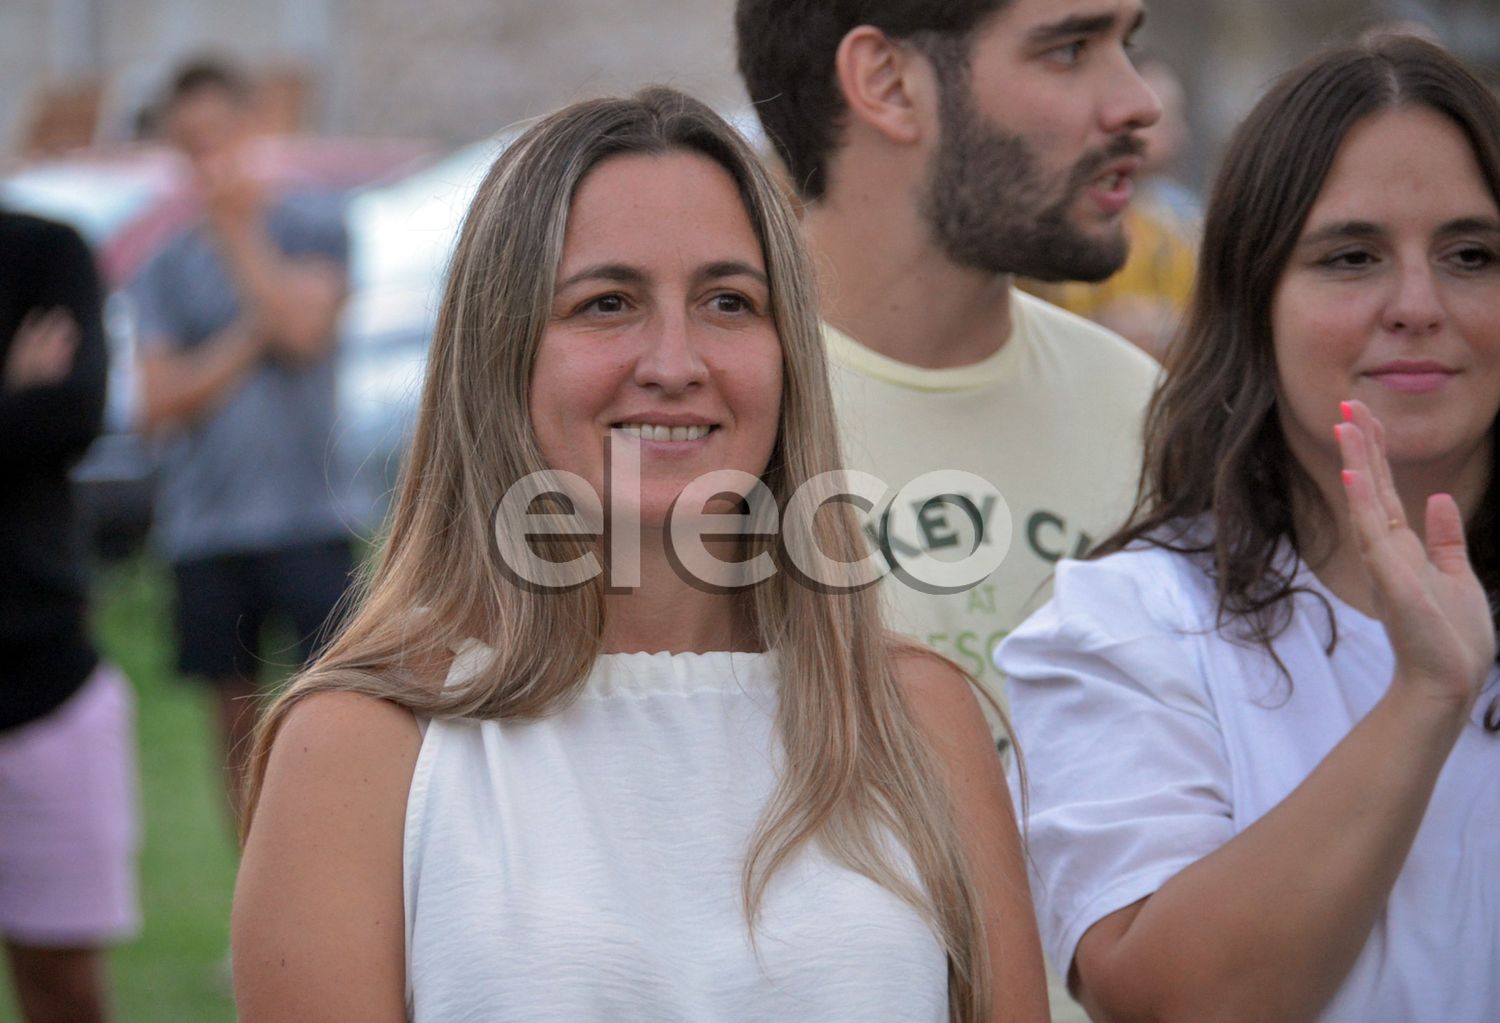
(939, 693)
(335, 750)
(943, 704)
(317, 927)
(341, 763)
(345, 722)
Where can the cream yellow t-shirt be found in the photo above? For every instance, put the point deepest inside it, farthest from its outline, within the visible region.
(1052, 421)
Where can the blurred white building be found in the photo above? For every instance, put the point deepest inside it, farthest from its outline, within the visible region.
(458, 70)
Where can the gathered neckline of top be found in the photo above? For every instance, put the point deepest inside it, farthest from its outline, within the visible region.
(649, 673)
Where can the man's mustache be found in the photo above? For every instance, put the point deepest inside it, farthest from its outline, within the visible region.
(1121, 146)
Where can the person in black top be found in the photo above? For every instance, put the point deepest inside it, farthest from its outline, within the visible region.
(67, 777)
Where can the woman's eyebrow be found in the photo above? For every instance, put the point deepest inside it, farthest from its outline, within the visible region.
(732, 268)
(624, 273)
(1470, 225)
(1361, 229)
(618, 272)
(1364, 230)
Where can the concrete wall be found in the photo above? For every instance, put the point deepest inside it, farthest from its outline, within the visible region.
(460, 69)
(476, 65)
(447, 69)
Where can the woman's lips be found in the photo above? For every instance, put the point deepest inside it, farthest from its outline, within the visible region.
(662, 441)
(1412, 377)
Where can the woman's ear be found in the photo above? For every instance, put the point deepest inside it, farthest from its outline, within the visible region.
(886, 85)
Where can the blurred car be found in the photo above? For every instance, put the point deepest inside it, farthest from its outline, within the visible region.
(401, 235)
(128, 203)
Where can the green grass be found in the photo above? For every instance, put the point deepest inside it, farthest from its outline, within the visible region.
(172, 972)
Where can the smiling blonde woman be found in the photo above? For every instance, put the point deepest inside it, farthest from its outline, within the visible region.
(497, 801)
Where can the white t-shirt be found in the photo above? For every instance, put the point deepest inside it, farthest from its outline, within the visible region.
(1151, 740)
(1052, 421)
(586, 866)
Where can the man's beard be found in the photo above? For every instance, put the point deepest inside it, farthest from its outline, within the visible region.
(990, 208)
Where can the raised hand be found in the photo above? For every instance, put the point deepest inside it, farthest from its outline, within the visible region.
(1434, 609)
(42, 351)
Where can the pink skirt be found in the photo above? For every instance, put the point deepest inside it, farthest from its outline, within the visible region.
(68, 821)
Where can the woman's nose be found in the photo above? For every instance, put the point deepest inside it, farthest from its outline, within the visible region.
(670, 359)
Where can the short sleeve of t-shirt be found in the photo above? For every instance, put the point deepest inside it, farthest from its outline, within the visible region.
(1128, 781)
(156, 322)
(312, 224)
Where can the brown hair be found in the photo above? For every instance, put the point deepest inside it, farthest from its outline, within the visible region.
(1213, 438)
(208, 74)
(786, 52)
(856, 768)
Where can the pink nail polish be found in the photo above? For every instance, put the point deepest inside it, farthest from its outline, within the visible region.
(1348, 478)
(1347, 411)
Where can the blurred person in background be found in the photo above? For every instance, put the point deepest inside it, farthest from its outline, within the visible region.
(942, 149)
(1161, 186)
(1264, 723)
(68, 831)
(237, 328)
(1145, 301)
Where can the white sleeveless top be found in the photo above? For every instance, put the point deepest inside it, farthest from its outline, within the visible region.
(586, 867)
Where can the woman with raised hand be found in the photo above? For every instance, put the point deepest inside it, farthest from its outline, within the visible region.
(552, 777)
(1262, 720)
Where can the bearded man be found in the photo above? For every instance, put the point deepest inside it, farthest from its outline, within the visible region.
(942, 149)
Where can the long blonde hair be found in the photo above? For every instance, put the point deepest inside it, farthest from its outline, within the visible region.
(857, 771)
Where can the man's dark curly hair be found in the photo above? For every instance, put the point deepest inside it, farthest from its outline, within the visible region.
(786, 49)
